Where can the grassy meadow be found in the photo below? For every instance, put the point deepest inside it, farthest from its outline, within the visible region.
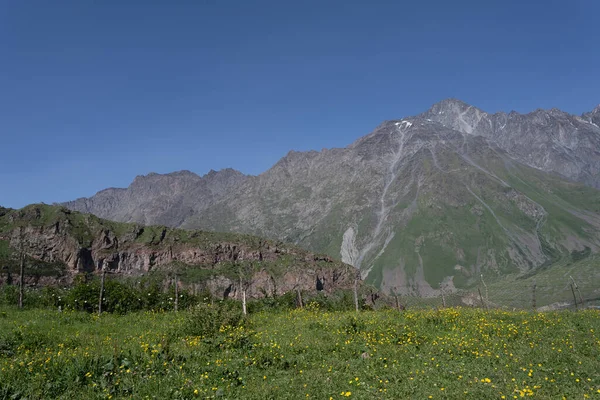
(211, 352)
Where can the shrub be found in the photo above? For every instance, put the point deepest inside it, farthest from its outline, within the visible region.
(206, 319)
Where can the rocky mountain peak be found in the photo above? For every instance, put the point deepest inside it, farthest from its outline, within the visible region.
(557, 112)
(455, 114)
(593, 117)
(595, 113)
(183, 172)
(226, 173)
(450, 104)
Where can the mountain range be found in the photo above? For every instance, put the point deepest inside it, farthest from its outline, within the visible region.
(421, 203)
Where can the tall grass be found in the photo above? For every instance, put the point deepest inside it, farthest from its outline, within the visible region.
(211, 351)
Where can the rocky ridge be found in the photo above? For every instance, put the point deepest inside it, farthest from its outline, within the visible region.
(86, 244)
(161, 199)
(549, 140)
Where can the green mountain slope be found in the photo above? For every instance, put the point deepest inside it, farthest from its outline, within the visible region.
(500, 217)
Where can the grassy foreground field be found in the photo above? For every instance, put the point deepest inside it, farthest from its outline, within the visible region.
(438, 354)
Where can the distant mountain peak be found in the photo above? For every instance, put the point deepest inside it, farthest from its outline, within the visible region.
(452, 105)
(455, 114)
(183, 172)
(223, 172)
(593, 117)
(451, 102)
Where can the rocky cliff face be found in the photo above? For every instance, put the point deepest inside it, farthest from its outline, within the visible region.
(83, 243)
(433, 200)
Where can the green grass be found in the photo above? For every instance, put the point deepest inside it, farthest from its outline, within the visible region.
(439, 354)
(552, 284)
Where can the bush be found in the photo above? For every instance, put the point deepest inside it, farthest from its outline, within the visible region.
(284, 302)
(117, 297)
(9, 295)
(52, 297)
(120, 298)
(83, 297)
(206, 319)
(342, 300)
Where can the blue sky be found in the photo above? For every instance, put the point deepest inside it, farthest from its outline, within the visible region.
(94, 93)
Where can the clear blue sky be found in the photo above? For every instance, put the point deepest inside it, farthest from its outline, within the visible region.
(93, 93)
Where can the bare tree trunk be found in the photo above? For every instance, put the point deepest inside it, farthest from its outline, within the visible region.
(176, 292)
(481, 297)
(533, 300)
(578, 291)
(101, 290)
(443, 297)
(244, 302)
(299, 293)
(243, 291)
(21, 279)
(487, 297)
(574, 298)
(356, 290)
